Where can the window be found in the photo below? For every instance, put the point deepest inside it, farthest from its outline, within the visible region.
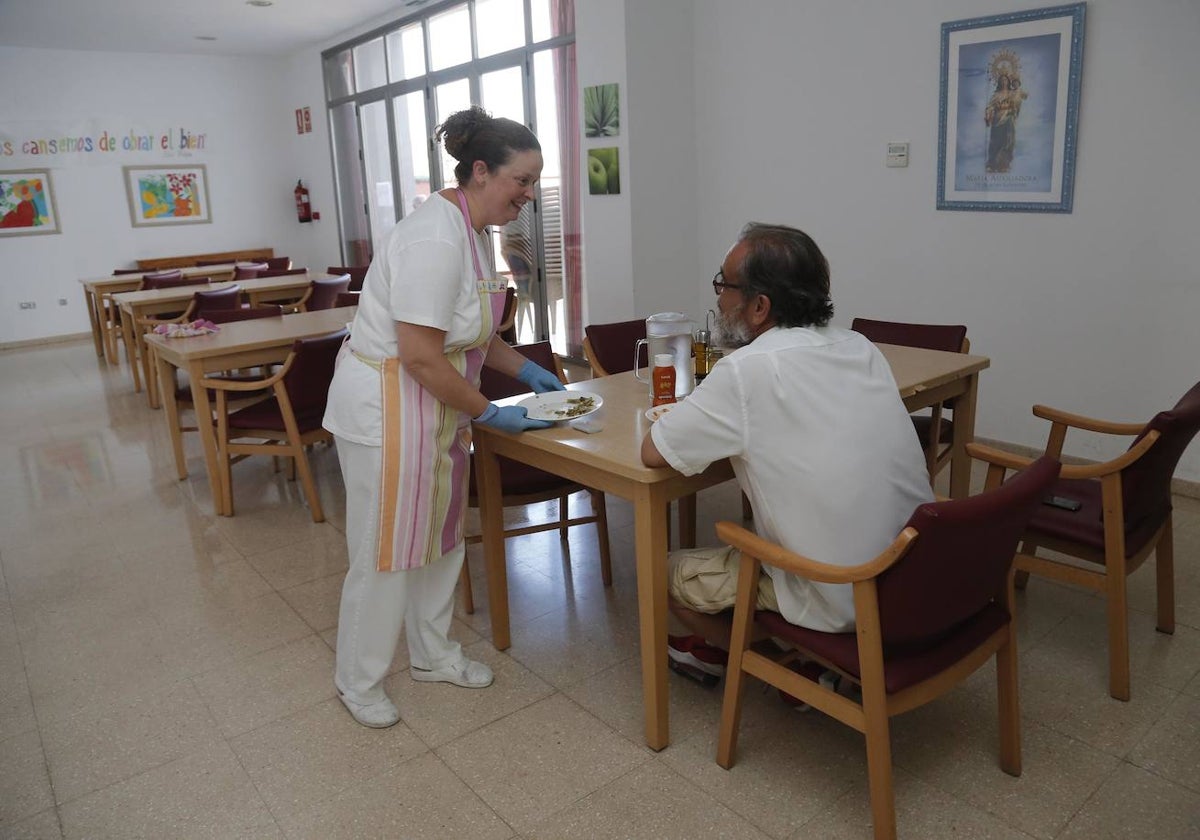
(385, 93)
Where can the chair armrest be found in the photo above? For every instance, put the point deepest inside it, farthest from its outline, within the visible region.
(776, 555)
(1012, 461)
(991, 455)
(1090, 424)
(220, 384)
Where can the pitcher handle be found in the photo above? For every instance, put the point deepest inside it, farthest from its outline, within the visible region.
(637, 351)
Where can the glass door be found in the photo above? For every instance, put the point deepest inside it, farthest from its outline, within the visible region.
(351, 185)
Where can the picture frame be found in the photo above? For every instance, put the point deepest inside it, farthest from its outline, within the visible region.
(167, 195)
(602, 110)
(27, 206)
(1008, 111)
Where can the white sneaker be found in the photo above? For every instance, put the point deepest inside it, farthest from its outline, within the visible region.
(378, 715)
(466, 673)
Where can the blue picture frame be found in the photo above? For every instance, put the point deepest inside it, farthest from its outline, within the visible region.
(1008, 112)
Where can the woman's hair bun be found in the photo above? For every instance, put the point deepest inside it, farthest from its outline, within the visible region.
(458, 129)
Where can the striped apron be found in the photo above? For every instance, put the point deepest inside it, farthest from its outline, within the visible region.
(427, 444)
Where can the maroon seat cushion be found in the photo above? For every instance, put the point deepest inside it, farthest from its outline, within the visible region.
(1086, 525)
(266, 415)
(517, 479)
(902, 667)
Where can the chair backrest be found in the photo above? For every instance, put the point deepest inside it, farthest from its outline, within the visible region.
(117, 272)
(279, 263)
(214, 300)
(496, 385)
(960, 558)
(347, 298)
(248, 271)
(1146, 483)
(171, 279)
(947, 337)
(307, 380)
(325, 292)
(225, 316)
(280, 272)
(357, 273)
(613, 342)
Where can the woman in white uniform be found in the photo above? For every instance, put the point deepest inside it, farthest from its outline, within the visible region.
(400, 407)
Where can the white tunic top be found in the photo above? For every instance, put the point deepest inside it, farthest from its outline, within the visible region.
(812, 422)
(424, 275)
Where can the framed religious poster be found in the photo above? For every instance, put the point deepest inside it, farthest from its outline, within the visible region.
(1009, 111)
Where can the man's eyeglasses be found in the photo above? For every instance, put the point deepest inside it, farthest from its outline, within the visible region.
(719, 282)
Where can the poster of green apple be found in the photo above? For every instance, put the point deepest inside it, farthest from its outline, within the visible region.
(601, 111)
(604, 172)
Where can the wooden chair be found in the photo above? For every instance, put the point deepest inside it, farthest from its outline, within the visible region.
(522, 484)
(931, 609)
(280, 272)
(1124, 515)
(320, 294)
(247, 271)
(507, 329)
(935, 431)
(347, 299)
(607, 346)
(278, 263)
(283, 424)
(358, 273)
(183, 388)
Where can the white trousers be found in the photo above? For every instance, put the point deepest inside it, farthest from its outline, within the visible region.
(376, 605)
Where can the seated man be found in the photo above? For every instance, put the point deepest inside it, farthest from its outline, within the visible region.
(819, 439)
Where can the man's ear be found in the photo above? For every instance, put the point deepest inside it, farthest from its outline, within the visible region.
(759, 310)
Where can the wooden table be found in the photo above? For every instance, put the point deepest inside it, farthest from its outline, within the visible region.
(98, 290)
(148, 302)
(610, 461)
(241, 344)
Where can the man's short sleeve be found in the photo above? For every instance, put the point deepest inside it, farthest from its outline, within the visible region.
(707, 426)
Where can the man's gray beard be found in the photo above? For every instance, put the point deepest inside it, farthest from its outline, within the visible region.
(730, 331)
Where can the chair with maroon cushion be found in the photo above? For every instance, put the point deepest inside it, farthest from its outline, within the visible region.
(247, 271)
(203, 303)
(183, 389)
(347, 299)
(283, 424)
(170, 279)
(935, 431)
(522, 484)
(117, 272)
(280, 272)
(930, 610)
(322, 293)
(1124, 515)
(608, 346)
(206, 263)
(276, 263)
(358, 273)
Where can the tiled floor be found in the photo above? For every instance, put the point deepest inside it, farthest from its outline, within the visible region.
(165, 673)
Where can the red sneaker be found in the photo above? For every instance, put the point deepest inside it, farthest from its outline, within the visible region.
(693, 652)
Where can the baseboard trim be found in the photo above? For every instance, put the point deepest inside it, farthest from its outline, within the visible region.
(1179, 486)
(50, 339)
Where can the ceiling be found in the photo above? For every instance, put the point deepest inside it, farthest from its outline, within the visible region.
(172, 26)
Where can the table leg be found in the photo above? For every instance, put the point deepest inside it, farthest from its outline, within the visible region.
(166, 378)
(687, 521)
(650, 547)
(204, 426)
(110, 329)
(149, 362)
(491, 518)
(94, 320)
(132, 356)
(964, 433)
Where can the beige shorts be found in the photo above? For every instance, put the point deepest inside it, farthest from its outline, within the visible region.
(705, 580)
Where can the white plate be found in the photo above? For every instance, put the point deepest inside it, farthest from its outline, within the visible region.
(653, 414)
(554, 405)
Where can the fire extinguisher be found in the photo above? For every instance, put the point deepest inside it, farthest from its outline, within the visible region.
(303, 206)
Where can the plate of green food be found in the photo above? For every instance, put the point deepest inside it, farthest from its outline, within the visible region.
(561, 405)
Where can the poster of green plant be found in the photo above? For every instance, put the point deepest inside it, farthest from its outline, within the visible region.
(601, 111)
(604, 171)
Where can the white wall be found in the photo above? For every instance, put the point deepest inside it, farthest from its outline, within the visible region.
(233, 100)
(1093, 311)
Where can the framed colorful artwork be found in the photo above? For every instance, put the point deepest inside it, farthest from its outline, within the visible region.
(1009, 111)
(27, 203)
(167, 195)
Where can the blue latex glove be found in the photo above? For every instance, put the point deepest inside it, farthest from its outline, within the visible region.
(510, 418)
(538, 378)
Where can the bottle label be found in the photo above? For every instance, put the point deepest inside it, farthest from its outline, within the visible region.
(664, 385)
